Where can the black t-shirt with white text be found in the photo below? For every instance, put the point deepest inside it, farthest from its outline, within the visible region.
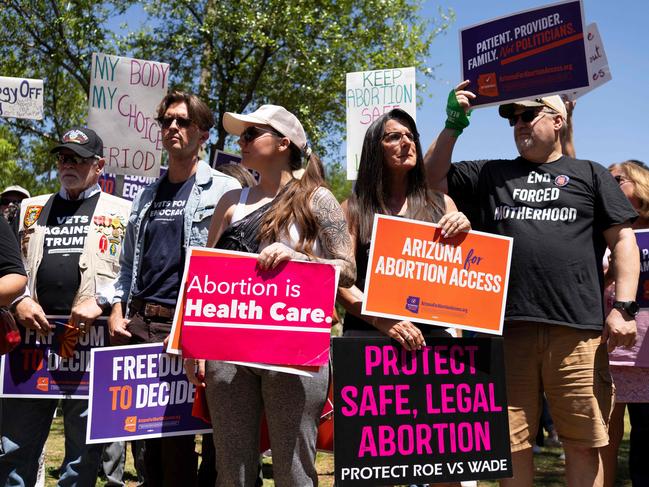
(163, 255)
(58, 277)
(556, 213)
(10, 261)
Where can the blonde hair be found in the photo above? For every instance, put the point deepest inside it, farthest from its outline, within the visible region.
(638, 173)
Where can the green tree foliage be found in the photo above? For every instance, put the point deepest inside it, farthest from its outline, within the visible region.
(51, 40)
(236, 55)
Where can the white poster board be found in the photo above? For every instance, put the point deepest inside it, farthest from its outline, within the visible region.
(370, 94)
(124, 95)
(21, 98)
(598, 70)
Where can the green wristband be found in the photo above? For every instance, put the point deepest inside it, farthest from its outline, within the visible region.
(457, 119)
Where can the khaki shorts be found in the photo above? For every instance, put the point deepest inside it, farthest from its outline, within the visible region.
(571, 367)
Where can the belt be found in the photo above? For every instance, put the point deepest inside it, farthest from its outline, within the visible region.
(151, 310)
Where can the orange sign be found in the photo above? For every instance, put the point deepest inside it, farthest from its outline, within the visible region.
(414, 274)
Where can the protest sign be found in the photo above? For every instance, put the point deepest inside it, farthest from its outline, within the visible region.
(598, 70)
(56, 366)
(234, 311)
(137, 392)
(370, 94)
(642, 237)
(131, 185)
(222, 157)
(415, 274)
(438, 414)
(21, 98)
(525, 55)
(124, 95)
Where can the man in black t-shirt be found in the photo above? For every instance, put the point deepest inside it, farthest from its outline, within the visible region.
(562, 213)
(168, 216)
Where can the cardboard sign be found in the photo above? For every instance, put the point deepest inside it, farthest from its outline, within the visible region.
(598, 70)
(57, 366)
(415, 274)
(21, 98)
(233, 311)
(124, 95)
(642, 237)
(525, 55)
(434, 415)
(370, 94)
(143, 392)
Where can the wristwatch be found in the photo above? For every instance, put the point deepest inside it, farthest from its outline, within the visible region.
(631, 307)
(102, 302)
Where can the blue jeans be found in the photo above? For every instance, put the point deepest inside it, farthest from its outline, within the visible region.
(25, 426)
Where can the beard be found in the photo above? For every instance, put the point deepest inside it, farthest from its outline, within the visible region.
(524, 143)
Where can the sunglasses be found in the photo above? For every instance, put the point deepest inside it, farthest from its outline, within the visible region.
(182, 122)
(252, 132)
(394, 138)
(527, 116)
(621, 179)
(9, 201)
(75, 159)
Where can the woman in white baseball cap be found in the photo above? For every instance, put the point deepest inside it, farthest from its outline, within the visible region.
(288, 215)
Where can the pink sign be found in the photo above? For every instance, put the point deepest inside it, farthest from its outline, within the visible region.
(233, 311)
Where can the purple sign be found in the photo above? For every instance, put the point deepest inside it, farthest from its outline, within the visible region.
(56, 366)
(525, 55)
(222, 157)
(138, 391)
(131, 187)
(642, 236)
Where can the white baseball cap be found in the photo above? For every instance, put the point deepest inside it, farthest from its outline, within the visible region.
(277, 117)
(554, 102)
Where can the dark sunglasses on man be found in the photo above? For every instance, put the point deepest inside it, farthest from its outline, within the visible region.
(75, 159)
(252, 132)
(182, 122)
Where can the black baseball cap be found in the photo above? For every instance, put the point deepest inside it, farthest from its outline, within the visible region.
(82, 141)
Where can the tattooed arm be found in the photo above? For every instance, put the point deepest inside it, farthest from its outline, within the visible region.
(332, 234)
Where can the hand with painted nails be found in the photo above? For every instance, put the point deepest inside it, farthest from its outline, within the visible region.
(453, 223)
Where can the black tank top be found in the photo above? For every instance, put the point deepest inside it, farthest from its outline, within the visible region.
(352, 322)
(243, 235)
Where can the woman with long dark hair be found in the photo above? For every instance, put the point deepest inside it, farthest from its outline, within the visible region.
(392, 181)
(288, 215)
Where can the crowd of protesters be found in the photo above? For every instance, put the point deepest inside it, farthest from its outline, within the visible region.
(572, 221)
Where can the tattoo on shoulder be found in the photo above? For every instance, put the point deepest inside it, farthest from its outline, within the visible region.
(333, 227)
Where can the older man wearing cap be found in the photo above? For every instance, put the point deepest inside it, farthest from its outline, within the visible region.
(10, 200)
(71, 243)
(562, 213)
(168, 217)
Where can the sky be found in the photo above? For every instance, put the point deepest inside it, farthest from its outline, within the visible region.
(610, 122)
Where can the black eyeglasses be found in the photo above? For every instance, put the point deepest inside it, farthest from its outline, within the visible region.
(75, 159)
(394, 138)
(182, 122)
(252, 132)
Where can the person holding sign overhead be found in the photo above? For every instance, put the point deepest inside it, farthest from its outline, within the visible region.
(392, 181)
(562, 213)
(288, 215)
